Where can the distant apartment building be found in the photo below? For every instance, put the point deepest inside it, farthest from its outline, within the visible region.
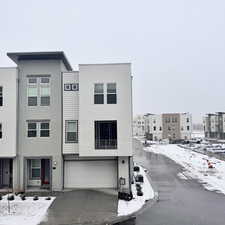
(139, 125)
(64, 129)
(172, 126)
(214, 125)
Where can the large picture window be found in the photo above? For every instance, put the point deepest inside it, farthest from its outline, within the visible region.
(106, 134)
(71, 131)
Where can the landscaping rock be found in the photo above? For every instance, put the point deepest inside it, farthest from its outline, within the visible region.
(35, 198)
(10, 197)
(136, 168)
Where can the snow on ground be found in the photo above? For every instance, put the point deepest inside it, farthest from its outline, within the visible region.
(195, 165)
(28, 212)
(129, 207)
(198, 134)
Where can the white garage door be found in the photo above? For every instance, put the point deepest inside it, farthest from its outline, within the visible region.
(90, 174)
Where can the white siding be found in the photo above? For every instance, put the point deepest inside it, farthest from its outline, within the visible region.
(185, 134)
(90, 112)
(70, 109)
(8, 118)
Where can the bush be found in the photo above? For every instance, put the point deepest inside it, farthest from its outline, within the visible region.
(23, 197)
(10, 197)
(35, 198)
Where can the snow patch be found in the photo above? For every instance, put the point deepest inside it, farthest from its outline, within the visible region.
(28, 212)
(129, 207)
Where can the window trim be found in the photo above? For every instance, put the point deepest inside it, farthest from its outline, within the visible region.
(66, 127)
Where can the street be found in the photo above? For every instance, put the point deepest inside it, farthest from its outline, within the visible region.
(181, 202)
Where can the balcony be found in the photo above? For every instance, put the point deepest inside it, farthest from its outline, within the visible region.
(105, 143)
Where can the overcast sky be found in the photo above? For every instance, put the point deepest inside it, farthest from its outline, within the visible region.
(176, 47)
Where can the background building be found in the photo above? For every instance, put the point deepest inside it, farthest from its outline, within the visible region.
(214, 125)
(172, 126)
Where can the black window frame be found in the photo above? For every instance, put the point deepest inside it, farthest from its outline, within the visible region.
(32, 131)
(44, 132)
(102, 129)
(0, 130)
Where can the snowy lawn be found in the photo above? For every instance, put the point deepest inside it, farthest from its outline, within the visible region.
(129, 207)
(28, 212)
(195, 165)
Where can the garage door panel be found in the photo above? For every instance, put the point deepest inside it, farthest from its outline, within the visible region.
(90, 174)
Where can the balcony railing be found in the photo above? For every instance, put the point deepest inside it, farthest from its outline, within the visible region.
(105, 143)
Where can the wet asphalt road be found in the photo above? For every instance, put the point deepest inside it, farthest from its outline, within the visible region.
(181, 202)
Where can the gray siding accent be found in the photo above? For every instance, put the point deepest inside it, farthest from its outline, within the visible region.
(39, 146)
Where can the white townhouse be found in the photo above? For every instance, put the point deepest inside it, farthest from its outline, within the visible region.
(172, 126)
(64, 129)
(139, 125)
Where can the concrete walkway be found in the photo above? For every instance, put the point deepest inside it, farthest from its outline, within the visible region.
(82, 207)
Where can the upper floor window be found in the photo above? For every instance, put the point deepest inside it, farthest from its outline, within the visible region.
(38, 91)
(0, 131)
(154, 128)
(1, 96)
(111, 93)
(106, 134)
(71, 131)
(99, 93)
(188, 120)
(188, 128)
(38, 128)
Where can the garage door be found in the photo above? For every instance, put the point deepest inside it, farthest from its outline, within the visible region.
(90, 174)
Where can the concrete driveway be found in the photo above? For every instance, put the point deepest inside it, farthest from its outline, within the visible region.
(82, 207)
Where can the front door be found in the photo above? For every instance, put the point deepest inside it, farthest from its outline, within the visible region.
(34, 172)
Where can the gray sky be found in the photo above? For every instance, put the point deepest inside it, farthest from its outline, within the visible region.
(177, 47)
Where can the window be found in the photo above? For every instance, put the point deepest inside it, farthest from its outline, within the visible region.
(154, 128)
(1, 96)
(72, 131)
(32, 95)
(111, 93)
(45, 96)
(106, 134)
(45, 91)
(188, 120)
(188, 128)
(160, 128)
(38, 129)
(32, 129)
(99, 94)
(44, 129)
(38, 91)
(35, 169)
(0, 131)
(75, 87)
(169, 128)
(67, 87)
